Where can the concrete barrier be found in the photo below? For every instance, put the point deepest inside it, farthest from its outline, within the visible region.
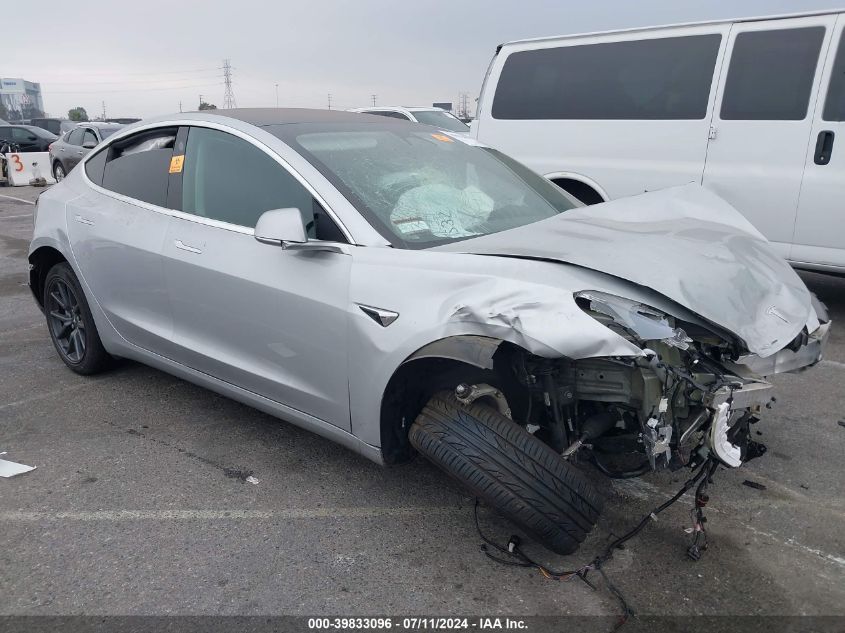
(24, 167)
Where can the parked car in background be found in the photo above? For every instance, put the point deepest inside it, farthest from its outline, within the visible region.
(427, 116)
(56, 126)
(401, 290)
(27, 137)
(752, 109)
(74, 145)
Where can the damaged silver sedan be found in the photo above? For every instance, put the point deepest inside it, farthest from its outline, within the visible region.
(403, 290)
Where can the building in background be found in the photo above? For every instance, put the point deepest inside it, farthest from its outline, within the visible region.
(20, 100)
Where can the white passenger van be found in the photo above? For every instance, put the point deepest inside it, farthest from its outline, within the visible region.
(751, 108)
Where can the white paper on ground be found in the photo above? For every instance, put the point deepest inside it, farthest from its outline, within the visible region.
(10, 469)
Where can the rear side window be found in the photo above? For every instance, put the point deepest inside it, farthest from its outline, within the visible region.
(771, 74)
(138, 166)
(391, 115)
(666, 78)
(95, 166)
(834, 106)
(74, 137)
(89, 137)
(226, 178)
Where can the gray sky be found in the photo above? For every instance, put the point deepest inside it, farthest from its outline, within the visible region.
(145, 61)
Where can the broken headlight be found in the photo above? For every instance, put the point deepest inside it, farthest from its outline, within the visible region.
(631, 319)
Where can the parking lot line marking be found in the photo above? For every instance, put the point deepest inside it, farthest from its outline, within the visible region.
(18, 199)
(48, 394)
(12, 217)
(25, 516)
(832, 363)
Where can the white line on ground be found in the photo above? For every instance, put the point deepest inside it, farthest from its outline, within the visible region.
(791, 542)
(832, 363)
(13, 217)
(18, 199)
(46, 394)
(25, 516)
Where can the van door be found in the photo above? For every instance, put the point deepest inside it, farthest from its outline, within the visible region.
(762, 122)
(820, 228)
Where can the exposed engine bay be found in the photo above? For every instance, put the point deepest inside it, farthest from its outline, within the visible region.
(691, 396)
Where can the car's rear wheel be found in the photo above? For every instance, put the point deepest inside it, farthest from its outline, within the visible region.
(510, 469)
(70, 323)
(58, 171)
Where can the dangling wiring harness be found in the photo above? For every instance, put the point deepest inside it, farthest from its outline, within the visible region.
(513, 555)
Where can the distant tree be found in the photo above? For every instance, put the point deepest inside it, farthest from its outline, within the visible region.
(207, 106)
(77, 114)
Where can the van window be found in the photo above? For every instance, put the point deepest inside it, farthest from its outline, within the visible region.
(834, 106)
(665, 78)
(771, 74)
(138, 165)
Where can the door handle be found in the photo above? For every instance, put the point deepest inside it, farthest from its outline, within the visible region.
(191, 249)
(79, 152)
(824, 146)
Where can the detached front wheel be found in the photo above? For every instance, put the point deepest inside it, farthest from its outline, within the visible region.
(510, 469)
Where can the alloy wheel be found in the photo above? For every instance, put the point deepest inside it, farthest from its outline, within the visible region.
(67, 325)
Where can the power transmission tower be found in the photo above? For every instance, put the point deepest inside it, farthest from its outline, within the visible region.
(229, 95)
(330, 101)
(463, 105)
(104, 110)
(374, 100)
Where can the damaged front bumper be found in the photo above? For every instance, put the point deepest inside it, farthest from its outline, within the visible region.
(787, 360)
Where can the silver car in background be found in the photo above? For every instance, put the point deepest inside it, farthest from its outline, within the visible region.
(399, 288)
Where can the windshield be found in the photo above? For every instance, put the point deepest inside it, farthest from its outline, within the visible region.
(421, 188)
(440, 119)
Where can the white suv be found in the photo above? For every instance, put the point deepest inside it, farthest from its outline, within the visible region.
(427, 116)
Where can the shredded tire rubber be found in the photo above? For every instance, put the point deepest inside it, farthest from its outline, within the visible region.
(510, 469)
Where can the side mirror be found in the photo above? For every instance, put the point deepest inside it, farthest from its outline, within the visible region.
(281, 227)
(89, 145)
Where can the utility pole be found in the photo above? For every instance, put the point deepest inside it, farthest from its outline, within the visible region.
(229, 95)
(277, 95)
(180, 106)
(374, 100)
(330, 101)
(104, 110)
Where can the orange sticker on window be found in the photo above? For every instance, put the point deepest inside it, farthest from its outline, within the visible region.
(176, 164)
(442, 137)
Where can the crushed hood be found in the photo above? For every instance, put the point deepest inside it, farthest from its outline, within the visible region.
(685, 243)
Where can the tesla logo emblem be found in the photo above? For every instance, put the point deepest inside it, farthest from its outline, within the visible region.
(773, 311)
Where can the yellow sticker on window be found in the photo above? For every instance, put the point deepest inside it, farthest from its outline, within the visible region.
(176, 164)
(442, 137)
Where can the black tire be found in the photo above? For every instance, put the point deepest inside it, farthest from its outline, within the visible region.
(59, 171)
(70, 323)
(510, 469)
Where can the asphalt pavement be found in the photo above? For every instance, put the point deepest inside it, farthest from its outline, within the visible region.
(140, 503)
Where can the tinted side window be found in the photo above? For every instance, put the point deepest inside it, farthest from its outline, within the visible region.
(390, 115)
(226, 178)
(22, 134)
(771, 74)
(75, 136)
(666, 78)
(95, 166)
(138, 166)
(834, 106)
